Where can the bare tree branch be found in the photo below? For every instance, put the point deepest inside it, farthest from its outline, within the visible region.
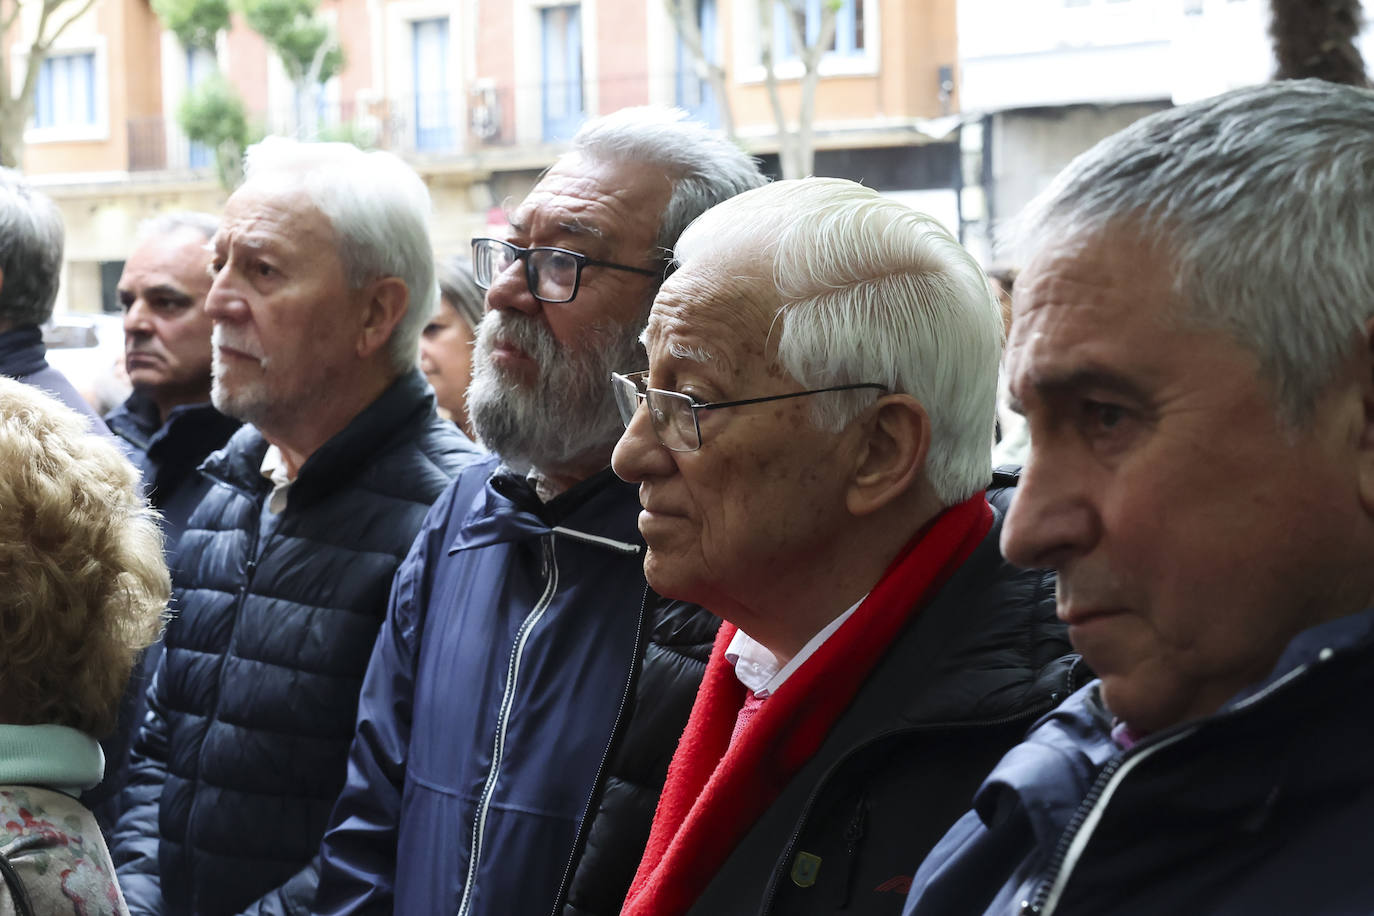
(684, 16)
(57, 32)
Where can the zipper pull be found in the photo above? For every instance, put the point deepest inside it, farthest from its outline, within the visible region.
(853, 833)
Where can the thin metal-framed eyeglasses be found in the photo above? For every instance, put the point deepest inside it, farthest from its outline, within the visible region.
(673, 415)
(552, 274)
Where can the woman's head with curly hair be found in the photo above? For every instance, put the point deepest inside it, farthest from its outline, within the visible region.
(85, 586)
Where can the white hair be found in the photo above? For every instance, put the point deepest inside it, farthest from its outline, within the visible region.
(872, 291)
(378, 208)
(1263, 201)
(31, 240)
(206, 224)
(704, 166)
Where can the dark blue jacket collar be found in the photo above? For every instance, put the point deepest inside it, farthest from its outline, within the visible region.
(397, 411)
(1050, 773)
(22, 352)
(508, 510)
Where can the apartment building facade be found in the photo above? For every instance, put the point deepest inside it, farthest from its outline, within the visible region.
(479, 95)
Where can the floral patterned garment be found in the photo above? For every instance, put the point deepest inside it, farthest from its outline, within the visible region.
(54, 844)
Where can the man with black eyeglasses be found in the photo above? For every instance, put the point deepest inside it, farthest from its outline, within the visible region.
(812, 445)
(527, 690)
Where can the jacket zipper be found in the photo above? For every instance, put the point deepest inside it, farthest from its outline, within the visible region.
(626, 698)
(250, 566)
(1074, 841)
(507, 701)
(781, 866)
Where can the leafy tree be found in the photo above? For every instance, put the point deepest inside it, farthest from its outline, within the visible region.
(16, 102)
(195, 23)
(307, 46)
(212, 114)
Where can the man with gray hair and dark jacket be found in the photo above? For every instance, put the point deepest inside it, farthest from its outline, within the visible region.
(323, 278)
(527, 690)
(1192, 345)
(31, 239)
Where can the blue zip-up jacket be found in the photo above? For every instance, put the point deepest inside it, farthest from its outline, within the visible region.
(251, 710)
(519, 712)
(1266, 806)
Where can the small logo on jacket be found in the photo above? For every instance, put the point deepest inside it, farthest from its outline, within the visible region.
(806, 869)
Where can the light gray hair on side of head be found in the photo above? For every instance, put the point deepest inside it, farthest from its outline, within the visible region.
(1262, 199)
(704, 166)
(459, 288)
(206, 224)
(379, 209)
(31, 240)
(872, 291)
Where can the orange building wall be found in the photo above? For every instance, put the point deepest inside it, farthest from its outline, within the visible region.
(143, 59)
(355, 37)
(495, 55)
(622, 53)
(247, 65)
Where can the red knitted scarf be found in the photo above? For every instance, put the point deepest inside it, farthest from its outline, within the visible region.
(715, 789)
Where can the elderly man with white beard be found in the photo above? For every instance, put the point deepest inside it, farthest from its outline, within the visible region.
(527, 690)
(323, 277)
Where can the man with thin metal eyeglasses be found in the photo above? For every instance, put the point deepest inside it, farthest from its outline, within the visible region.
(527, 691)
(811, 444)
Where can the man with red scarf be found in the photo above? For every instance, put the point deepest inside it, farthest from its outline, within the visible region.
(811, 443)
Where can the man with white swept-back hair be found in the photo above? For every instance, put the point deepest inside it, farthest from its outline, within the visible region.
(323, 278)
(1193, 350)
(814, 468)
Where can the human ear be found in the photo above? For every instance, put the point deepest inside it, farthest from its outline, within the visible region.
(892, 455)
(1366, 436)
(384, 305)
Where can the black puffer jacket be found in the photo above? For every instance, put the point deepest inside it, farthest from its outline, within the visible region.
(252, 708)
(675, 656)
(959, 686)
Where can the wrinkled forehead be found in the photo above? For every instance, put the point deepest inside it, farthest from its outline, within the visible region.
(724, 307)
(274, 203)
(606, 203)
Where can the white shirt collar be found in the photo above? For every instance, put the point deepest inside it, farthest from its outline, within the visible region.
(274, 469)
(758, 669)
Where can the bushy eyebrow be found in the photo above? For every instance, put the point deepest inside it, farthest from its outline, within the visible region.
(1059, 385)
(574, 226)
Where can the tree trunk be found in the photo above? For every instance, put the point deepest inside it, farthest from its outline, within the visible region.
(1316, 38)
(684, 16)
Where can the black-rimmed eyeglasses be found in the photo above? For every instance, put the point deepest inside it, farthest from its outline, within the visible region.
(552, 274)
(673, 415)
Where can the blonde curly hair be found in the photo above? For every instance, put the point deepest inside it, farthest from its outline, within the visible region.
(85, 585)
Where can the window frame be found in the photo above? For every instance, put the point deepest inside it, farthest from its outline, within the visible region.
(99, 127)
(750, 70)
